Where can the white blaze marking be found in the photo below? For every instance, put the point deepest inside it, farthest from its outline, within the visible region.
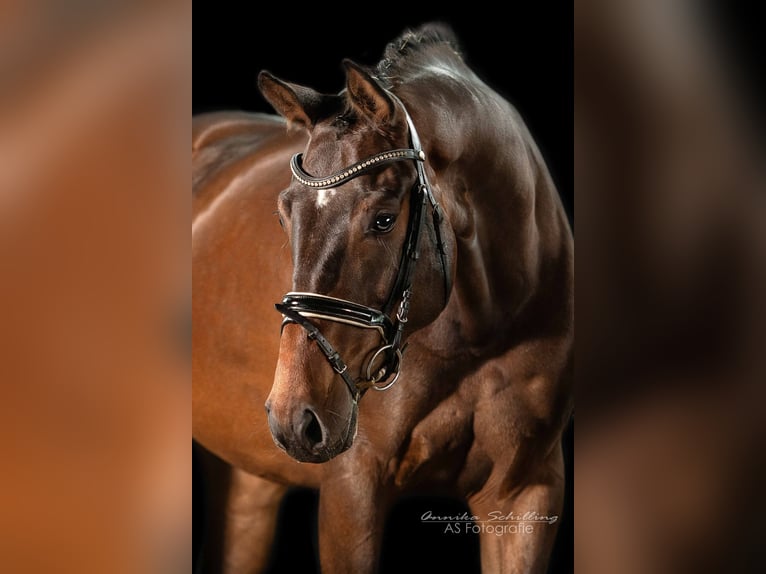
(323, 196)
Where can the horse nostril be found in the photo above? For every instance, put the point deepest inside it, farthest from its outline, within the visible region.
(268, 407)
(312, 430)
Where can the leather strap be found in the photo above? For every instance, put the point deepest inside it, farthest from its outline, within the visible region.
(350, 172)
(333, 309)
(333, 357)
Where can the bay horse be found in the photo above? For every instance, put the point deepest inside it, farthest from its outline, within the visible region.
(412, 239)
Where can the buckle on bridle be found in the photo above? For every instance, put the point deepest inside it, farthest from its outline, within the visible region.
(404, 307)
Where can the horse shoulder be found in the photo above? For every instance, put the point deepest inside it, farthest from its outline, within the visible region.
(491, 418)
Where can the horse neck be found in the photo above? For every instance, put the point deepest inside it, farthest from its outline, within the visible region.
(514, 245)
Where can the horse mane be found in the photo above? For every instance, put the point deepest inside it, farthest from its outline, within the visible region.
(407, 53)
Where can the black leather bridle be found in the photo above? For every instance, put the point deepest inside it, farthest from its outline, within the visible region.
(299, 308)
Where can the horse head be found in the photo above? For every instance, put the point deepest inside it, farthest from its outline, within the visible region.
(373, 258)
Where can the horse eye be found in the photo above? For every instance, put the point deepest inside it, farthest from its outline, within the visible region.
(384, 222)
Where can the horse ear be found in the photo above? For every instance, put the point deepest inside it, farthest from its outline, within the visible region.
(297, 104)
(367, 95)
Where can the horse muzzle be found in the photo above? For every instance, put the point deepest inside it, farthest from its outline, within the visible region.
(304, 436)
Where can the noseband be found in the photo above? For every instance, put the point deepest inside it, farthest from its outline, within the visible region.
(299, 308)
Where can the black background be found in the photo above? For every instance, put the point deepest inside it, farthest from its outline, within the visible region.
(526, 56)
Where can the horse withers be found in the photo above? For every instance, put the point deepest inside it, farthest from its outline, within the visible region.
(412, 239)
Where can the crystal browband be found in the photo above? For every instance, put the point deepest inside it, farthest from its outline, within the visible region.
(352, 171)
